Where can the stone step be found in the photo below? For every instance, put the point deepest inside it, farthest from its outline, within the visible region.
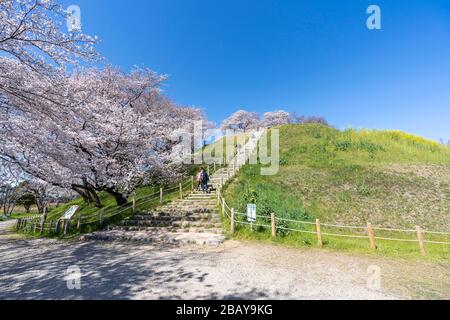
(169, 216)
(200, 230)
(153, 236)
(169, 220)
(189, 206)
(190, 203)
(146, 223)
(202, 193)
(144, 228)
(198, 202)
(197, 198)
(197, 224)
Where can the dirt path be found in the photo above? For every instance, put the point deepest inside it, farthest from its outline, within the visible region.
(6, 229)
(35, 269)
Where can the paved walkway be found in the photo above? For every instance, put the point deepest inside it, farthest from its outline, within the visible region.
(35, 269)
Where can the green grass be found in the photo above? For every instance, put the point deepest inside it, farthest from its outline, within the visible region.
(225, 143)
(18, 215)
(389, 178)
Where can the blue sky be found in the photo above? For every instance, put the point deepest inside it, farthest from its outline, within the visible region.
(313, 57)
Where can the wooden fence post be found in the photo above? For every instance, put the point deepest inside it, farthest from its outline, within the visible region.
(79, 222)
(181, 191)
(44, 218)
(134, 202)
(218, 197)
(274, 228)
(192, 183)
(214, 166)
(319, 233)
(66, 225)
(223, 206)
(160, 195)
(208, 170)
(420, 239)
(232, 221)
(373, 244)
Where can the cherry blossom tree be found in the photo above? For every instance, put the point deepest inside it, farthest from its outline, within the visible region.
(33, 44)
(277, 118)
(43, 193)
(91, 130)
(31, 32)
(98, 130)
(241, 120)
(10, 192)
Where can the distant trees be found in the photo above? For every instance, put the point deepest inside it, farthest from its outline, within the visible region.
(9, 189)
(26, 200)
(314, 119)
(276, 118)
(43, 193)
(245, 120)
(241, 120)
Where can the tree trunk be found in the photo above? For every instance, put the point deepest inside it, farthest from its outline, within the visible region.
(94, 195)
(83, 193)
(120, 198)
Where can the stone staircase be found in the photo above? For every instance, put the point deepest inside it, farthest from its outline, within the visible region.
(192, 220)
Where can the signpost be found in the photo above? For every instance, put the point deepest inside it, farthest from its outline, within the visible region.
(70, 212)
(251, 214)
(68, 215)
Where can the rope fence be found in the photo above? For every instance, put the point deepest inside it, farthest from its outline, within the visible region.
(365, 232)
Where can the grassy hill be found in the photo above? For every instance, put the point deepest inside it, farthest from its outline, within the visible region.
(389, 178)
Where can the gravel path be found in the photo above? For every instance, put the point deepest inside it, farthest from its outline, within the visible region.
(35, 269)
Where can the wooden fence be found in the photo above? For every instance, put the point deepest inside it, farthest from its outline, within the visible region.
(368, 232)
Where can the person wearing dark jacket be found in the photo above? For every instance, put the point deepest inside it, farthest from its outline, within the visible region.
(205, 180)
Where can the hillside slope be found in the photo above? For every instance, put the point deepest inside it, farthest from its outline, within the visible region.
(388, 178)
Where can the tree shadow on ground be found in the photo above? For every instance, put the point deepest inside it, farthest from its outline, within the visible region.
(35, 269)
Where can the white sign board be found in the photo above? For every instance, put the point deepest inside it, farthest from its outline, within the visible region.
(251, 212)
(70, 212)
